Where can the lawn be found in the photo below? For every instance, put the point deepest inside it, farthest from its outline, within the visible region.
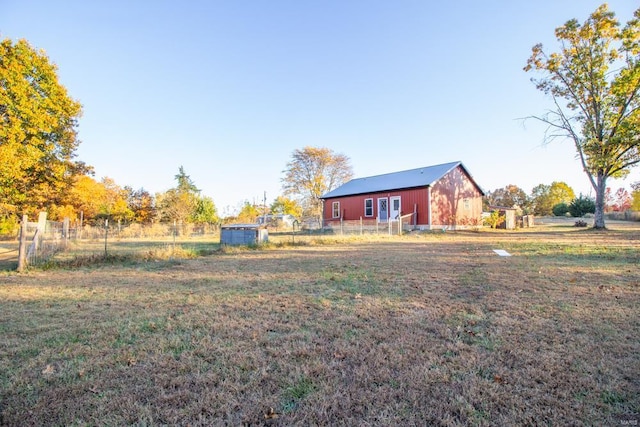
(424, 329)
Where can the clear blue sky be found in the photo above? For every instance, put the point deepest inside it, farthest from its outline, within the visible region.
(228, 89)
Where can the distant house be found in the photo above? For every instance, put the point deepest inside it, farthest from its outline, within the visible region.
(437, 196)
(284, 220)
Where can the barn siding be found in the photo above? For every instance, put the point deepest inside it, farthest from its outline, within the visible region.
(352, 207)
(448, 196)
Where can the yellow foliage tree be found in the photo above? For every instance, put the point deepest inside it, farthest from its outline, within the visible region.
(38, 122)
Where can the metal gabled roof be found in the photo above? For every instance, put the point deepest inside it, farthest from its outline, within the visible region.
(420, 177)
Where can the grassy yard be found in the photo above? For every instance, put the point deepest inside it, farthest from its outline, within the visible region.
(430, 328)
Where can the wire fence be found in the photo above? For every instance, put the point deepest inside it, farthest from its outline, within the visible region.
(45, 239)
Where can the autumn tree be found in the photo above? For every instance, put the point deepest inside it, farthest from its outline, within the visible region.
(115, 205)
(86, 195)
(178, 204)
(594, 84)
(248, 214)
(286, 206)
(545, 197)
(510, 196)
(142, 204)
(312, 172)
(618, 201)
(38, 121)
(635, 196)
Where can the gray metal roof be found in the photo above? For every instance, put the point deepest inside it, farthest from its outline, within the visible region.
(420, 177)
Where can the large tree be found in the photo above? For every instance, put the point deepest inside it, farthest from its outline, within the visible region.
(38, 122)
(178, 204)
(286, 206)
(312, 172)
(545, 197)
(510, 196)
(594, 83)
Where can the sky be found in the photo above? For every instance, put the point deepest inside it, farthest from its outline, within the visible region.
(229, 89)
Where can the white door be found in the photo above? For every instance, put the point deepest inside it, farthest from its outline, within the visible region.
(383, 210)
(394, 211)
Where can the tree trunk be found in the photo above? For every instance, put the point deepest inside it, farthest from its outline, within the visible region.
(601, 186)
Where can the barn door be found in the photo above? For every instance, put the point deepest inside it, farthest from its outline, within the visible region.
(394, 213)
(383, 209)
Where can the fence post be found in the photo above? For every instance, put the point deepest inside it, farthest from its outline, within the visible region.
(22, 247)
(65, 231)
(106, 233)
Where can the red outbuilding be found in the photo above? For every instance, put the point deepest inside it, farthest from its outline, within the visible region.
(437, 196)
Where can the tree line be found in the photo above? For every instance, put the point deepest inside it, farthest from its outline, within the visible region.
(593, 82)
(559, 199)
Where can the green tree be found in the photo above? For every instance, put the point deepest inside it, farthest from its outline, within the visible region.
(545, 197)
(312, 172)
(581, 205)
(178, 204)
(38, 121)
(594, 83)
(205, 211)
(286, 206)
(560, 209)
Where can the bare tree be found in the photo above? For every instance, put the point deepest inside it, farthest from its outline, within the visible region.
(312, 172)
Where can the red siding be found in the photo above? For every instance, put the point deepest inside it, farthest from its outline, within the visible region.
(455, 200)
(352, 207)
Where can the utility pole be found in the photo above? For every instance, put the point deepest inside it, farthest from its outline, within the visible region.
(265, 209)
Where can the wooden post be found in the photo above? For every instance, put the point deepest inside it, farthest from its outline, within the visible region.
(22, 247)
(79, 234)
(65, 231)
(106, 233)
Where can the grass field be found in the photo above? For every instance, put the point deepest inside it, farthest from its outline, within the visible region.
(425, 329)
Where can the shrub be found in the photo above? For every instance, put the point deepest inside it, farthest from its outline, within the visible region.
(560, 209)
(581, 206)
(495, 219)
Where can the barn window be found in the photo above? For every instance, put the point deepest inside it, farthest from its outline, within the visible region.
(368, 207)
(467, 203)
(335, 210)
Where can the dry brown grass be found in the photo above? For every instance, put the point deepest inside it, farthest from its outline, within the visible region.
(425, 329)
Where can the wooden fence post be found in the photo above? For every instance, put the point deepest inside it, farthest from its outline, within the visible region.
(22, 247)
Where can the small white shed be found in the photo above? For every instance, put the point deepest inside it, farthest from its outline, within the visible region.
(243, 234)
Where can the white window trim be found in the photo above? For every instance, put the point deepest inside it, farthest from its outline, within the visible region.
(333, 209)
(365, 208)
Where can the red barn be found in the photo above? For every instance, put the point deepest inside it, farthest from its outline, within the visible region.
(431, 197)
